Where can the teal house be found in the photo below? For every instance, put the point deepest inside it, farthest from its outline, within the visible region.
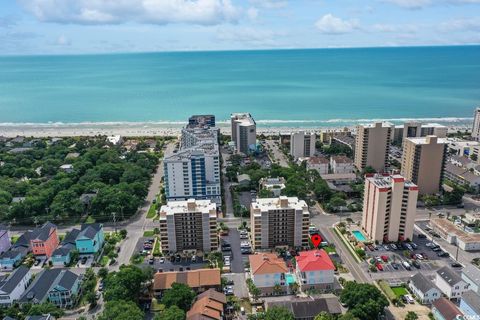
(90, 238)
(62, 256)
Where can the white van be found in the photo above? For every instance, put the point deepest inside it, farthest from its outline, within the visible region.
(406, 265)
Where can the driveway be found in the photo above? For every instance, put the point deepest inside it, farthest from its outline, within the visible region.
(237, 262)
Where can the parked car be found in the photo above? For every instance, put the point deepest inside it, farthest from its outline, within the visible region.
(394, 247)
(414, 245)
(406, 265)
(416, 264)
(384, 258)
(419, 256)
(422, 236)
(456, 265)
(151, 260)
(379, 266)
(162, 260)
(395, 265)
(386, 247)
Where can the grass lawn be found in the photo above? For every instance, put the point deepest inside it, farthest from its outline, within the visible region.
(156, 247)
(399, 291)
(148, 233)
(152, 212)
(104, 261)
(329, 249)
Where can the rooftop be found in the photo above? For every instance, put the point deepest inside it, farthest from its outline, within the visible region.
(450, 276)
(306, 308)
(447, 309)
(386, 181)
(318, 160)
(427, 140)
(265, 204)
(341, 159)
(8, 284)
(265, 263)
(472, 299)
(192, 278)
(422, 283)
(449, 228)
(314, 260)
(190, 205)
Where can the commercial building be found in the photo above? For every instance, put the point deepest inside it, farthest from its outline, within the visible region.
(389, 208)
(315, 270)
(279, 222)
(461, 147)
(188, 225)
(200, 121)
(302, 144)
(199, 280)
(267, 271)
(417, 129)
(476, 124)
(466, 241)
(423, 162)
(193, 171)
(372, 145)
(450, 283)
(244, 132)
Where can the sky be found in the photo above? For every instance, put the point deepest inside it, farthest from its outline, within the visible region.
(31, 27)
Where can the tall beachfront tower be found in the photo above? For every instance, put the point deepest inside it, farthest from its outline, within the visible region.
(476, 124)
(302, 144)
(372, 144)
(389, 208)
(423, 162)
(244, 132)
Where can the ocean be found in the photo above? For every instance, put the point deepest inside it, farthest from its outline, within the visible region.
(304, 88)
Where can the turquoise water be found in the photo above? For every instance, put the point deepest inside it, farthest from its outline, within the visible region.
(290, 278)
(283, 87)
(359, 235)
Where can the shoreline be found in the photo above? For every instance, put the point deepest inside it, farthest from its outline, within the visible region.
(137, 129)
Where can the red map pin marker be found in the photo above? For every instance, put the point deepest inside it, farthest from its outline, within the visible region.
(316, 240)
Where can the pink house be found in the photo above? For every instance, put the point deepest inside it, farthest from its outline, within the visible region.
(315, 270)
(44, 240)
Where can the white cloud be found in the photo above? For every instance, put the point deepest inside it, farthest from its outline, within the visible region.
(333, 25)
(411, 4)
(62, 40)
(250, 36)
(270, 4)
(460, 25)
(408, 28)
(204, 12)
(252, 13)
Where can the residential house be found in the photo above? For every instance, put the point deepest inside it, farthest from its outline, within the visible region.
(44, 240)
(450, 283)
(58, 286)
(315, 270)
(199, 280)
(341, 164)
(62, 256)
(320, 164)
(471, 274)
(308, 308)
(208, 305)
(424, 289)
(5, 243)
(90, 238)
(268, 272)
(274, 185)
(14, 285)
(11, 259)
(68, 168)
(444, 309)
(470, 305)
(42, 317)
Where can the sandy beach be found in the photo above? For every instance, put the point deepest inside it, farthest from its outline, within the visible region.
(136, 129)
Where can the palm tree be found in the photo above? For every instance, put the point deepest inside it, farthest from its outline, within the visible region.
(293, 287)
(277, 289)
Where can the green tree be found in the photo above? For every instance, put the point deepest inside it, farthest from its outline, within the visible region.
(125, 284)
(121, 310)
(411, 316)
(179, 295)
(172, 313)
(278, 313)
(364, 301)
(325, 316)
(45, 308)
(102, 273)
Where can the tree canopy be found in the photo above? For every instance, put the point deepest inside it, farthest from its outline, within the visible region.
(179, 295)
(126, 284)
(121, 310)
(364, 301)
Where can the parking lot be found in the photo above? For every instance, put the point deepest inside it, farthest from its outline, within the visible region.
(237, 264)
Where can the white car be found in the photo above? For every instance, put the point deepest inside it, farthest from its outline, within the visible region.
(419, 256)
(162, 260)
(394, 247)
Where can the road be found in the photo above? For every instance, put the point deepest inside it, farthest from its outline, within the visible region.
(277, 153)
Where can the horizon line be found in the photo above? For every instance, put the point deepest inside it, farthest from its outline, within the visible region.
(237, 50)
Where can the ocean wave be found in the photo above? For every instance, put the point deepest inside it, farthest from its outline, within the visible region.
(227, 122)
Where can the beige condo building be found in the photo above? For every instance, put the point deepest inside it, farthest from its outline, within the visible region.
(244, 132)
(423, 162)
(372, 144)
(389, 208)
(188, 226)
(302, 144)
(279, 222)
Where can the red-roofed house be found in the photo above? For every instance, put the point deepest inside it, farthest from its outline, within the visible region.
(267, 270)
(315, 270)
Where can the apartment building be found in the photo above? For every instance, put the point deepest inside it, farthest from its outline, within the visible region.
(302, 144)
(279, 222)
(193, 171)
(476, 124)
(423, 162)
(450, 283)
(416, 129)
(188, 226)
(320, 164)
(389, 208)
(341, 164)
(244, 132)
(372, 144)
(203, 120)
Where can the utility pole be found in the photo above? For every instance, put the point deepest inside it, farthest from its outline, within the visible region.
(114, 214)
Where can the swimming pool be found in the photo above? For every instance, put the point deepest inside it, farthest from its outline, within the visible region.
(359, 235)
(290, 278)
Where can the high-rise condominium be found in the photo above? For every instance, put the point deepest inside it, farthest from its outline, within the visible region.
(302, 144)
(244, 132)
(188, 225)
(423, 162)
(372, 144)
(476, 124)
(279, 222)
(389, 208)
